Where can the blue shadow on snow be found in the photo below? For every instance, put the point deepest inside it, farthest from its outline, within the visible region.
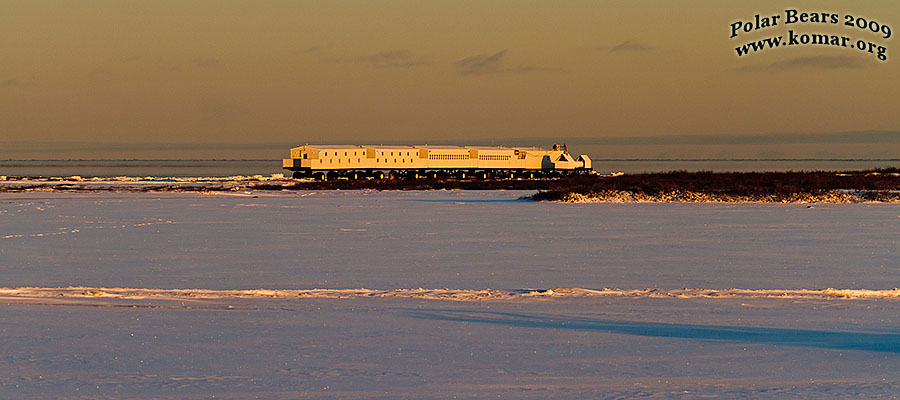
(881, 342)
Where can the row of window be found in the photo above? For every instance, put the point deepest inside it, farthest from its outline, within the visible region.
(493, 158)
(402, 160)
(359, 160)
(448, 156)
(437, 157)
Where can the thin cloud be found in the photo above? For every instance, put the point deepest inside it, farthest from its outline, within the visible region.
(630, 46)
(807, 62)
(207, 61)
(855, 137)
(386, 59)
(532, 68)
(315, 50)
(41, 146)
(483, 64)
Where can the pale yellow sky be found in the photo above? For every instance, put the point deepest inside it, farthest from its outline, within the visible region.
(240, 79)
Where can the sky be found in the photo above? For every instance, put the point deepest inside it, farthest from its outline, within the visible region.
(619, 79)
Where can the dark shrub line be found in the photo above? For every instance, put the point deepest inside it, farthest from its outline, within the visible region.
(773, 185)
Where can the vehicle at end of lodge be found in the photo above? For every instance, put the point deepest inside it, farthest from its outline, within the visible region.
(324, 162)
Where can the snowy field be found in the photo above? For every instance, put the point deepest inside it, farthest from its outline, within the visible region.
(348, 294)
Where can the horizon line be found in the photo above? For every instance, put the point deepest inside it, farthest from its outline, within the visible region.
(593, 159)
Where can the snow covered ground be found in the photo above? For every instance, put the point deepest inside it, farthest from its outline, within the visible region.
(139, 184)
(317, 295)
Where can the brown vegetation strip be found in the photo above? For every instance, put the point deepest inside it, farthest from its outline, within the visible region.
(17, 294)
(679, 186)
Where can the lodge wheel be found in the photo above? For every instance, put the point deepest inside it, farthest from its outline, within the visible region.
(320, 176)
(378, 175)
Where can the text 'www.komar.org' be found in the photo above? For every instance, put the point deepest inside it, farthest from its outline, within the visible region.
(793, 38)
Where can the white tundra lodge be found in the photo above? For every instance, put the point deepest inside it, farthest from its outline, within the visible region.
(481, 162)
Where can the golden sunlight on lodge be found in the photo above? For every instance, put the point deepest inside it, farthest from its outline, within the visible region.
(355, 162)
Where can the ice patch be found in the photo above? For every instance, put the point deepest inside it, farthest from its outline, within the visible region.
(147, 183)
(66, 230)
